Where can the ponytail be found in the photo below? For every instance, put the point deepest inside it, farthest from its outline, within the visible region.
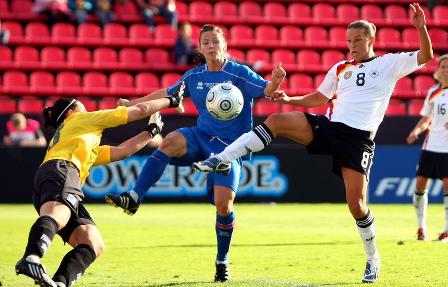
(56, 114)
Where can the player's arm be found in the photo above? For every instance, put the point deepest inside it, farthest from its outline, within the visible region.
(152, 96)
(307, 101)
(278, 75)
(420, 127)
(419, 22)
(130, 147)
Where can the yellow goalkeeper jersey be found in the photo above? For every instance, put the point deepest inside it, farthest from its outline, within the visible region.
(78, 138)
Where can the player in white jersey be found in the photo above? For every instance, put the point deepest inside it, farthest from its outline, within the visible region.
(359, 91)
(433, 161)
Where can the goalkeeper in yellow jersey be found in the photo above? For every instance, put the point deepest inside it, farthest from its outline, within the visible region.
(57, 195)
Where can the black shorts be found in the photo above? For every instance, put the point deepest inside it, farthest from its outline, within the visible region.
(351, 148)
(58, 180)
(433, 164)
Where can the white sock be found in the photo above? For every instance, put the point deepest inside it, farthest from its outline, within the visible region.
(445, 204)
(366, 229)
(253, 141)
(421, 205)
(134, 195)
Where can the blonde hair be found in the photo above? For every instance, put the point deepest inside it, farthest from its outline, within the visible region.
(439, 61)
(369, 28)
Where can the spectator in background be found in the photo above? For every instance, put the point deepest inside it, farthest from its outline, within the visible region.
(56, 10)
(23, 132)
(4, 35)
(101, 8)
(184, 49)
(433, 161)
(164, 8)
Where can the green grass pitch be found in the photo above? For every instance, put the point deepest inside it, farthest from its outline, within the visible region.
(273, 245)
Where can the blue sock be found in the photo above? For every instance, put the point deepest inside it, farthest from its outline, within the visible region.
(224, 231)
(151, 173)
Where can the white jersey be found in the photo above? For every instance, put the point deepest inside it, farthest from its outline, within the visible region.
(360, 91)
(436, 107)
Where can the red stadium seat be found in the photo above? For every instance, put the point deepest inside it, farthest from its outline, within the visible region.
(89, 34)
(404, 89)
(131, 59)
(4, 9)
(225, 11)
(338, 37)
(37, 33)
(439, 15)
(318, 79)
(121, 84)
(159, 59)
(105, 58)
(53, 58)
(300, 84)
(63, 34)
(241, 35)
(265, 107)
(422, 83)
(15, 82)
(415, 107)
(347, 13)
(126, 11)
(165, 35)
(107, 103)
(182, 10)
(309, 61)
(266, 36)
(372, 13)
(201, 11)
(141, 35)
(79, 58)
(396, 14)
(95, 84)
(323, 12)
(410, 38)
(30, 105)
(300, 13)
(291, 36)
(289, 108)
(169, 79)
(237, 55)
(89, 104)
(286, 57)
(16, 35)
(389, 38)
(26, 57)
(275, 12)
(23, 10)
(146, 83)
(115, 34)
(439, 38)
(6, 61)
(69, 84)
(42, 83)
(396, 108)
(254, 55)
(316, 36)
(7, 105)
(331, 57)
(251, 11)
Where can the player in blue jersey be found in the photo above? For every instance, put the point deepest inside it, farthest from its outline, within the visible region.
(187, 145)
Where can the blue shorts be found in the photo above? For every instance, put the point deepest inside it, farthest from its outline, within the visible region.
(199, 147)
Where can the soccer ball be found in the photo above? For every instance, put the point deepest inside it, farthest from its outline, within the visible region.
(224, 101)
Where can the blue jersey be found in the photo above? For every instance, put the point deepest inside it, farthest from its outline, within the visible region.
(199, 81)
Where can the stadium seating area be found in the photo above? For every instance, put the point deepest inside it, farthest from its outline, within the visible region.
(126, 59)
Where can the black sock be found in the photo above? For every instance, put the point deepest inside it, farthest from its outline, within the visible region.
(74, 264)
(264, 133)
(41, 234)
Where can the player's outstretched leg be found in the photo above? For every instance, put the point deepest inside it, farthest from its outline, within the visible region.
(213, 164)
(36, 271)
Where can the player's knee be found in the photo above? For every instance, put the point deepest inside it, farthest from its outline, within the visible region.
(224, 209)
(357, 208)
(172, 145)
(99, 248)
(273, 122)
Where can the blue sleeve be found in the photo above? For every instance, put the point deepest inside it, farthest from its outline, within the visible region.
(251, 84)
